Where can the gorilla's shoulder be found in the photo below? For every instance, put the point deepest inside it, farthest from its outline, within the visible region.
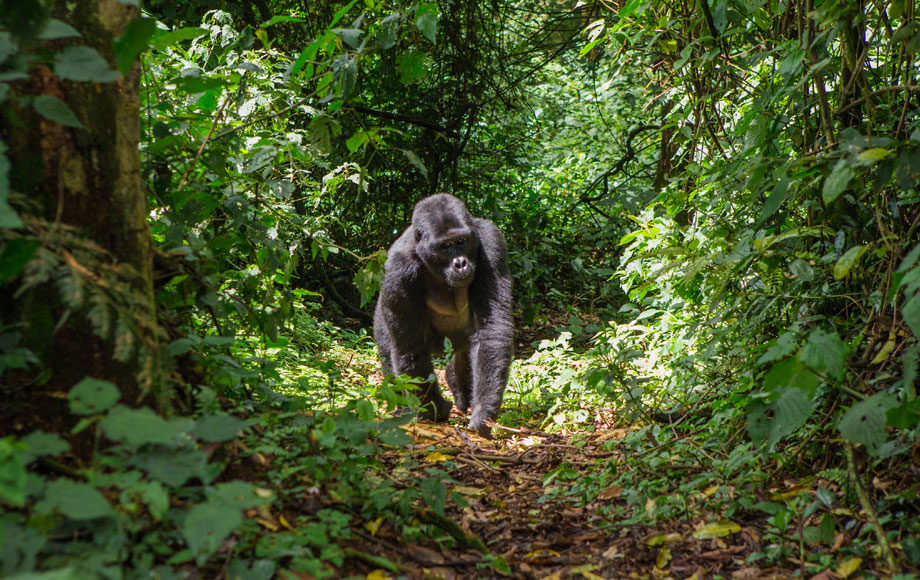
(489, 234)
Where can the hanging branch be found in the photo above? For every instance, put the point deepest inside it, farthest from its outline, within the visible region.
(627, 157)
(404, 119)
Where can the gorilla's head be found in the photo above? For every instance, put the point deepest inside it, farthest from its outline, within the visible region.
(446, 239)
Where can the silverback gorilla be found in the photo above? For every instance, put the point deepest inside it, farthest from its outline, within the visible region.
(447, 277)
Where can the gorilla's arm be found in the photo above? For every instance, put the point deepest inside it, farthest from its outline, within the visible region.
(400, 297)
(401, 310)
(491, 348)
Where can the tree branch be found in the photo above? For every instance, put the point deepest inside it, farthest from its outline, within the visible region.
(404, 119)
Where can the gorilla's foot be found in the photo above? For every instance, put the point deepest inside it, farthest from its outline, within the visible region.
(437, 411)
(484, 431)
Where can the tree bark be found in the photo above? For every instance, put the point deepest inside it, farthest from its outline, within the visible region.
(90, 180)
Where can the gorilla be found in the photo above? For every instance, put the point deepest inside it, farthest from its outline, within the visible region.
(447, 276)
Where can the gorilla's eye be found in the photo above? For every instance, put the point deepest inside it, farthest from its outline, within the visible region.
(444, 246)
(461, 241)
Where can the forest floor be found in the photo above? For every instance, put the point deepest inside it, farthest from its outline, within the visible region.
(521, 523)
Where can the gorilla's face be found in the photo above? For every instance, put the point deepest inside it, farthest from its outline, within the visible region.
(446, 240)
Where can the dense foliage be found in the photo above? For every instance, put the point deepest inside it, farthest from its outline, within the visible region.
(712, 213)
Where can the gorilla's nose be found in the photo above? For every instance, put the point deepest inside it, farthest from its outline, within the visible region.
(461, 264)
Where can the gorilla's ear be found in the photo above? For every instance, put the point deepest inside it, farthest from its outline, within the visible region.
(418, 235)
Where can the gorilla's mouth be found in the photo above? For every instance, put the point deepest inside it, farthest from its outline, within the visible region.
(460, 279)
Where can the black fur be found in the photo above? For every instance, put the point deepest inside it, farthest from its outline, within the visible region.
(447, 277)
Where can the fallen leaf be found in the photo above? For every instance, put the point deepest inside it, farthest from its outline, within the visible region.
(748, 573)
(469, 491)
(436, 456)
(611, 552)
(374, 525)
(542, 554)
(716, 530)
(586, 570)
(379, 574)
(285, 523)
(847, 568)
(425, 555)
(664, 539)
(612, 492)
(664, 556)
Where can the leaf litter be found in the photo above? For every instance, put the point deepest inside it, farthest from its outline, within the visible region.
(508, 523)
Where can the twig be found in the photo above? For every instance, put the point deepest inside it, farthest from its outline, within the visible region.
(204, 144)
(885, 547)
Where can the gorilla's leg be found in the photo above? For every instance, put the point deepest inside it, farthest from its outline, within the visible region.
(490, 359)
(434, 406)
(460, 379)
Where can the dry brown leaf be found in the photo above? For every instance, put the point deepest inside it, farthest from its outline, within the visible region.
(425, 555)
(612, 492)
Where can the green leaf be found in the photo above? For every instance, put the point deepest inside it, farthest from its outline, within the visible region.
(426, 19)
(13, 459)
(136, 427)
(802, 270)
(847, 261)
(216, 428)
(776, 198)
(281, 18)
(241, 494)
(628, 9)
(77, 501)
(872, 156)
(341, 12)
(15, 255)
(790, 373)
(825, 352)
(157, 499)
(365, 410)
(905, 415)
(790, 411)
(82, 63)
(910, 259)
(836, 182)
(865, 422)
(435, 493)
(91, 396)
(199, 84)
(133, 42)
(40, 444)
(56, 110)
(175, 466)
(911, 314)
(416, 161)
(207, 525)
(8, 217)
(163, 39)
(412, 66)
(55, 29)
(350, 36)
(357, 140)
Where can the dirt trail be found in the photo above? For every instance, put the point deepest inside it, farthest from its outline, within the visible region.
(523, 491)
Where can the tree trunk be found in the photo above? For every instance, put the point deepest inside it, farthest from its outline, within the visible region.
(85, 203)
